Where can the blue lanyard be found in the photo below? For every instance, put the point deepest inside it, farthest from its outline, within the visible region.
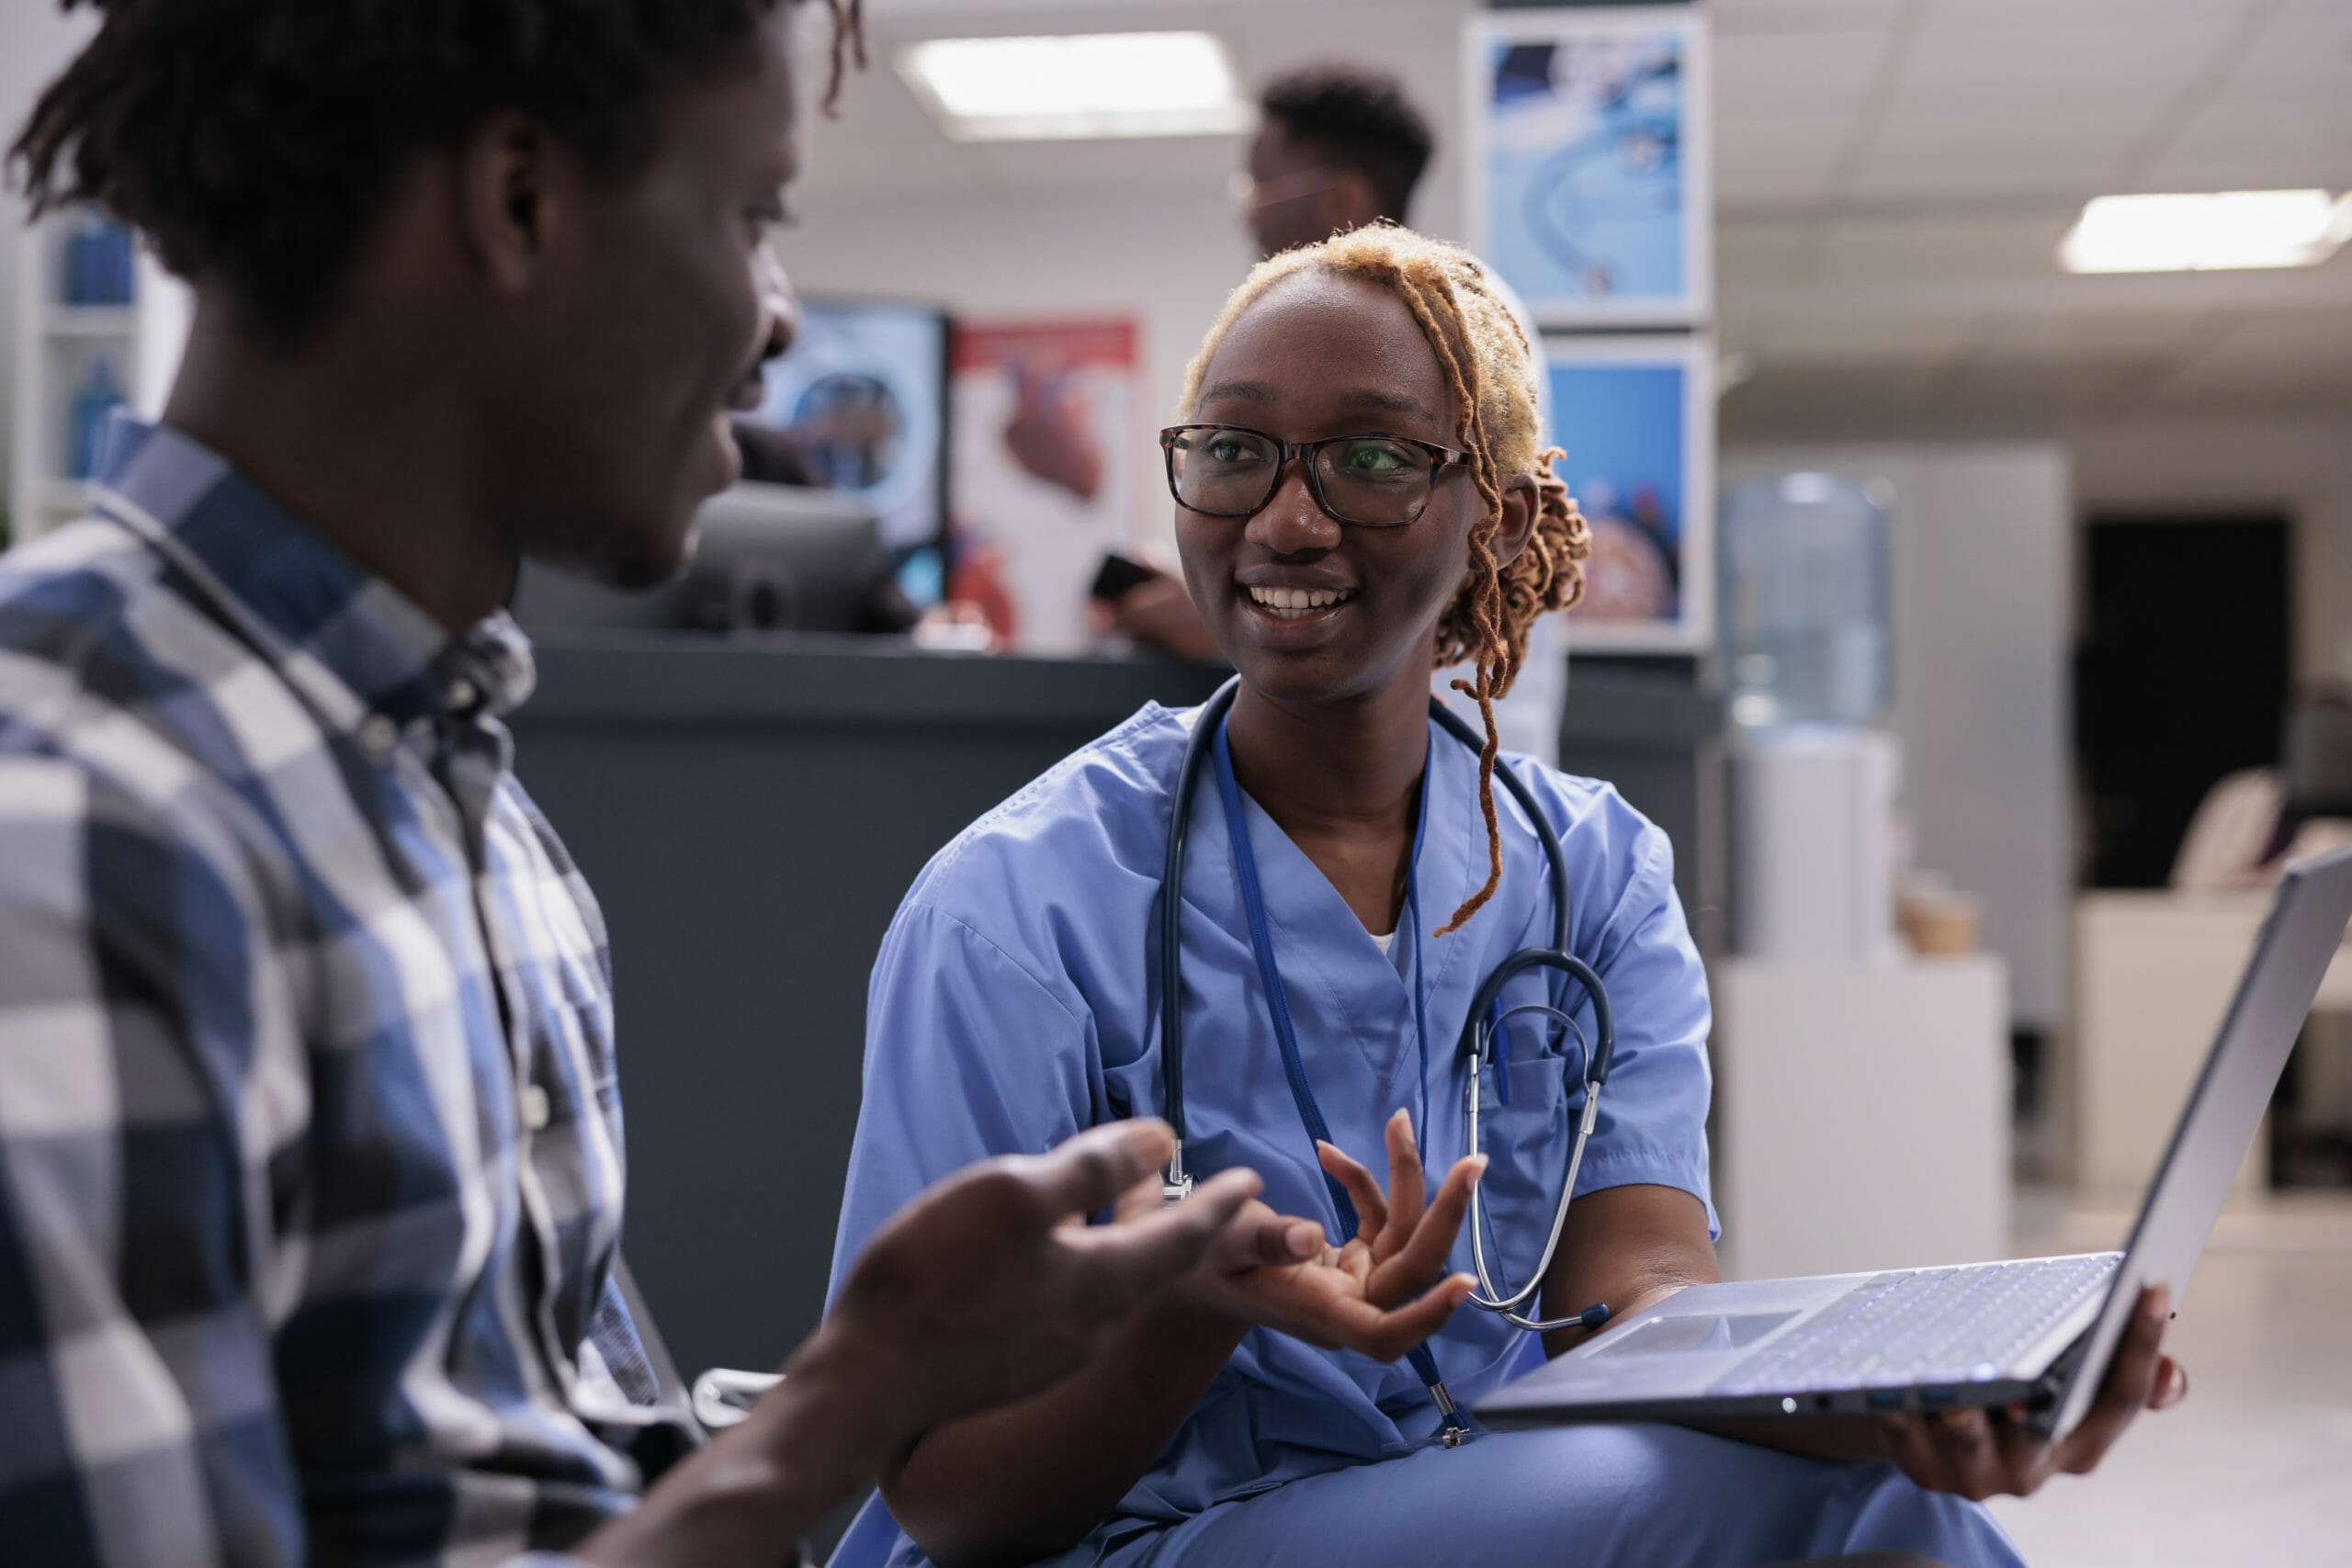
(1262, 945)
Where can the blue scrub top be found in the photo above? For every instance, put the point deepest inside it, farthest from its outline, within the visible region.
(1015, 1002)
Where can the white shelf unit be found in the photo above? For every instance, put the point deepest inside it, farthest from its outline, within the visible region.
(56, 346)
(1863, 1121)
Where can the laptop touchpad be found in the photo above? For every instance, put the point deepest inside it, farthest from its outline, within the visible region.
(1708, 1331)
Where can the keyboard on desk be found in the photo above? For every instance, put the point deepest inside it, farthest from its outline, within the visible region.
(1923, 1326)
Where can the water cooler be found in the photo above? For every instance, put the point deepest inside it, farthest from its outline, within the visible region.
(1812, 787)
(1862, 1119)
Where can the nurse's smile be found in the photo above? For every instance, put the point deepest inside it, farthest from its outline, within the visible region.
(1291, 609)
(1291, 603)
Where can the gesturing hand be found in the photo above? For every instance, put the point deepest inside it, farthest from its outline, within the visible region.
(1406, 1240)
(1981, 1453)
(1382, 1293)
(990, 1285)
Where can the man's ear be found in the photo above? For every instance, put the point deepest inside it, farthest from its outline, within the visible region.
(1522, 504)
(516, 188)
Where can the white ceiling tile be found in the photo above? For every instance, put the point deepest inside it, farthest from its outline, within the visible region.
(1740, 19)
(2256, 377)
(1856, 340)
(1770, 189)
(1765, 251)
(2109, 55)
(1936, 250)
(1781, 156)
(2268, 168)
(2305, 44)
(2043, 394)
(1796, 75)
(1990, 171)
(2297, 340)
(2025, 21)
(1922, 112)
(2132, 338)
(2241, 145)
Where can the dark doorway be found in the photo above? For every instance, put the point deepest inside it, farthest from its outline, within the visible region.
(2181, 678)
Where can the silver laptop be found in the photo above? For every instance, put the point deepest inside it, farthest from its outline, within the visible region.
(2039, 1331)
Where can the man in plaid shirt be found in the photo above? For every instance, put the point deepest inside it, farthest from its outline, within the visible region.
(311, 1160)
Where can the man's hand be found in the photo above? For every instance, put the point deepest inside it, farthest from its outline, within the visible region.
(992, 1286)
(1981, 1453)
(988, 1286)
(1382, 1293)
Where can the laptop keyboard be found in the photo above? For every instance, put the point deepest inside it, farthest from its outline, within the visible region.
(1924, 1326)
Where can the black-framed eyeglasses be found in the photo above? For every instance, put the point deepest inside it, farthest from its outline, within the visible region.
(1370, 482)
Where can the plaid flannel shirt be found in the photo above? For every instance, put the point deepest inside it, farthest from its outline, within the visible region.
(311, 1159)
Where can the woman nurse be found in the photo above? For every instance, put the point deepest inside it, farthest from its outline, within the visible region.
(1260, 1412)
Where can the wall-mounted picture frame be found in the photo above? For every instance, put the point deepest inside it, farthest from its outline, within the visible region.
(1635, 417)
(1588, 155)
(1048, 456)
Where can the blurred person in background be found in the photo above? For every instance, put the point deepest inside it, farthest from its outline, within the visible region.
(1337, 148)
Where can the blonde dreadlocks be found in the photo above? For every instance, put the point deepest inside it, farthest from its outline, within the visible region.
(1489, 366)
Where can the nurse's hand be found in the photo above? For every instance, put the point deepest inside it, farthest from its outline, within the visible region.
(1381, 1295)
(1981, 1453)
(1275, 1271)
(1404, 1237)
(990, 1285)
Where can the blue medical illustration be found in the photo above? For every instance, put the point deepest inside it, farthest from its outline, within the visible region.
(1585, 169)
(1623, 429)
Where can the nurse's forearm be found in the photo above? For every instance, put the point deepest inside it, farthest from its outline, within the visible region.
(1031, 1479)
(1625, 1247)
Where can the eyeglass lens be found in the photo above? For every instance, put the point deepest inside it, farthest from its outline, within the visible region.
(1365, 479)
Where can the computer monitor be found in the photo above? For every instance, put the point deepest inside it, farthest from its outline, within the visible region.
(768, 558)
(863, 395)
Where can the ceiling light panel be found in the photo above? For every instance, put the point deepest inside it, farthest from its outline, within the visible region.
(1077, 86)
(2212, 231)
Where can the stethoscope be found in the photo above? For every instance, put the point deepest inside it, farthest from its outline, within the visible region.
(1480, 1030)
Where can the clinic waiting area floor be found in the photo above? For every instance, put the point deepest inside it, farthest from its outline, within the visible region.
(2257, 1468)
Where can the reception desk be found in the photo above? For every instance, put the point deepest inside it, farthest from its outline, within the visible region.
(750, 814)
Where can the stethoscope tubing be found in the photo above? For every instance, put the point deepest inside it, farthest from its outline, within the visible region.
(1177, 1182)
(1477, 1048)
(1477, 1044)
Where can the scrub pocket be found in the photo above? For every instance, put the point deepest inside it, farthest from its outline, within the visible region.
(1526, 1143)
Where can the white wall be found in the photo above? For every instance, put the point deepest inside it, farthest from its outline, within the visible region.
(1983, 563)
(36, 41)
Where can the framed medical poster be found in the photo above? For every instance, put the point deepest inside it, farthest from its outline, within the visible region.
(1588, 160)
(1635, 417)
(1048, 455)
(859, 404)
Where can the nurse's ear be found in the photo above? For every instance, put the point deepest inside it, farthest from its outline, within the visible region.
(1522, 500)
